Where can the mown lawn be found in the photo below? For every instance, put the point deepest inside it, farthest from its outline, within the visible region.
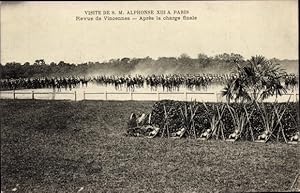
(64, 146)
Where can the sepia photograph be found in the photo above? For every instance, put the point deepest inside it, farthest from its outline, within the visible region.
(149, 96)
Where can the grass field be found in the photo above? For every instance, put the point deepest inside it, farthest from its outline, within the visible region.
(64, 146)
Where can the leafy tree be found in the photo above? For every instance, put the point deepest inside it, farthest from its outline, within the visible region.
(236, 58)
(204, 60)
(223, 57)
(185, 59)
(125, 60)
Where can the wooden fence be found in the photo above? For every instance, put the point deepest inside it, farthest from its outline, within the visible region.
(34, 93)
(186, 96)
(156, 95)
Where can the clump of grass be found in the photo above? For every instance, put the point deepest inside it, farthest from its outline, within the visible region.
(216, 123)
(188, 118)
(241, 121)
(272, 120)
(166, 122)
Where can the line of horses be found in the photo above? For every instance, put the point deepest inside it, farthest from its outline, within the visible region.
(37, 83)
(169, 83)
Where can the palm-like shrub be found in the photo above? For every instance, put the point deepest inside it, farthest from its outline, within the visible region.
(255, 81)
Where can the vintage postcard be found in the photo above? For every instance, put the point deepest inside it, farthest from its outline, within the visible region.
(149, 96)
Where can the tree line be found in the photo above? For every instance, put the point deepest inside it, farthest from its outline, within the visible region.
(221, 63)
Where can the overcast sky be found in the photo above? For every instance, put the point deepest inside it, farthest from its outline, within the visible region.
(37, 30)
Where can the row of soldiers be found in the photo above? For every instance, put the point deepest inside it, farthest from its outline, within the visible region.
(169, 82)
(37, 83)
(290, 81)
(130, 82)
